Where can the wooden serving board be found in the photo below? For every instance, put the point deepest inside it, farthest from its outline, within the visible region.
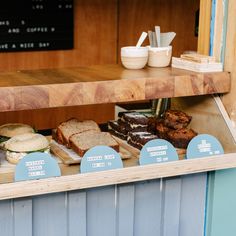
(69, 157)
(134, 151)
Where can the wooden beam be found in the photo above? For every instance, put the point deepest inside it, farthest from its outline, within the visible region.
(230, 61)
(50, 88)
(204, 27)
(118, 176)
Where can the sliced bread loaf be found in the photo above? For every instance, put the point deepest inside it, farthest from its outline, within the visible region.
(73, 126)
(82, 142)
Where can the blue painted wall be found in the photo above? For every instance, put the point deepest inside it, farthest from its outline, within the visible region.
(168, 207)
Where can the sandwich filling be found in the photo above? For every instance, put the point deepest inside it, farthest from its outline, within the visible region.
(19, 155)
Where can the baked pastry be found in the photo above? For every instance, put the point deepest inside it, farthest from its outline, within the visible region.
(73, 126)
(82, 142)
(139, 139)
(152, 121)
(162, 130)
(180, 138)
(20, 145)
(176, 119)
(118, 129)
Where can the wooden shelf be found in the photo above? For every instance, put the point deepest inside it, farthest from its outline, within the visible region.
(35, 89)
(118, 176)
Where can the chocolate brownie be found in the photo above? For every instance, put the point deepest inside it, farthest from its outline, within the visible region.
(162, 130)
(152, 121)
(133, 127)
(139, 139)
(121, 113)
(135, 118)
(180, 138)
(118, 129)
(176, 119)
(135, 122)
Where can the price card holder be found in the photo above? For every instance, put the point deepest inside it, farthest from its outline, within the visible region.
(157, 151)
(100, 158)
(36, 165)
(204, 145)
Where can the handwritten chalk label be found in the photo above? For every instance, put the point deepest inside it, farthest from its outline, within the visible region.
(100, 158)
(204, 145)
(36, 165)
(157, 151)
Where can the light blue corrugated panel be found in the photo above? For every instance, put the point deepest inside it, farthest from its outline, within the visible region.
(221, 204)
(167, 207)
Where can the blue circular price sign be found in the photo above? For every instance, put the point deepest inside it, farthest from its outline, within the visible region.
(157, 151)
(37, 165)
(100, 158)
(204, 145)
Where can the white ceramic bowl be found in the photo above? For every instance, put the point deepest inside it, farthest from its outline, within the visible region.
(159, 56)
(133, 57)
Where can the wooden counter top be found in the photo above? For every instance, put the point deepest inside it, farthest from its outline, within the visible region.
(117, 176)
(35, 89)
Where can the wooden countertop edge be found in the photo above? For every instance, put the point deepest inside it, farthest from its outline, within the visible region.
(28, 97)
(117, 176)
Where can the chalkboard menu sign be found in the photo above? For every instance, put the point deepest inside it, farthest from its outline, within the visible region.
(28, 25)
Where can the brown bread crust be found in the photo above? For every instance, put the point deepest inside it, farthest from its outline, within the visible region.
(62, 139)
(81, 151)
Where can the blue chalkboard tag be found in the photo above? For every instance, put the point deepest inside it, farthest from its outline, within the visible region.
(36, 165)
(157, 151)
(100, 158)
(204, 145)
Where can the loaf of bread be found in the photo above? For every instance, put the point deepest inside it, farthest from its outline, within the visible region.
(82, 142)
(73, 126)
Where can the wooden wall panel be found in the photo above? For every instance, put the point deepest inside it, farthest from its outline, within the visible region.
(204, 27)
(95, 39)
(101, 28)
(230, 61)
(172, 15)
(50, 118)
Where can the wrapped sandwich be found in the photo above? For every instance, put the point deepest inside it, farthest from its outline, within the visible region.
(23, 144)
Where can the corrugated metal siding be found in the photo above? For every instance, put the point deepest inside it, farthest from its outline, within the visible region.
(168, 207)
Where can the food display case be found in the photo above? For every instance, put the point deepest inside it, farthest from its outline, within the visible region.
(114, 84)
(170, 198)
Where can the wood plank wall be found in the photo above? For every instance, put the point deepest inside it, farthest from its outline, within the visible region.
(172, 15)
(230, 61)
(95, 38)
(101, 28)
(204, 30)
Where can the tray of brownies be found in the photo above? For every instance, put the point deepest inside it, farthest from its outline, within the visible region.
(133, 130)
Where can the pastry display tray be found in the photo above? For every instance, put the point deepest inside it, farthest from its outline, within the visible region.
(207, 118)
